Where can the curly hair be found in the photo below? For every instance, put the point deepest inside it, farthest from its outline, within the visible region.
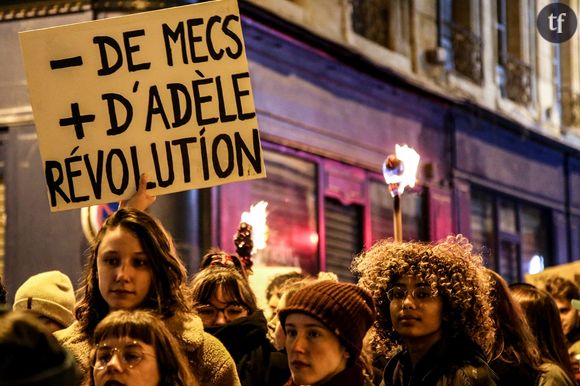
(168, 293)
(174, 369)
(452, 271)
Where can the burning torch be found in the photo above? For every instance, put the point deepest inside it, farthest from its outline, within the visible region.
(252, 233)
(400, 171)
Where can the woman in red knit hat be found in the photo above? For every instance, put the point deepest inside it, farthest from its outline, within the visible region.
(325, 324)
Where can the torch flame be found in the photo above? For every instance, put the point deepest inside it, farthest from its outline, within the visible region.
(400, 171)
(257, 218)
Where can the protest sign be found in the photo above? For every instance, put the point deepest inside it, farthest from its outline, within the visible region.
(165, 92)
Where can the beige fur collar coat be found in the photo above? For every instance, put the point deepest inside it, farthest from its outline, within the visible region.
(210, 361)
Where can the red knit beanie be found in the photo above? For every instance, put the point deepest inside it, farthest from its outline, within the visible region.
(346, 309)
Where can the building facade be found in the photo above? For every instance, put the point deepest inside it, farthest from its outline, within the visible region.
(492, 107)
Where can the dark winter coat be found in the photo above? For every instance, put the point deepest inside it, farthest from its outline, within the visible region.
(351, 376)
(257, 361)
(573, 336)
(447, 363)
(512, 374)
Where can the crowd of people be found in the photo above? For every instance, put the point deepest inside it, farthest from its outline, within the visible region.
(419, 314)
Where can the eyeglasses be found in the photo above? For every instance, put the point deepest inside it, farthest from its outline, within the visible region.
(209, 313)
(130, 355)
(418, 293)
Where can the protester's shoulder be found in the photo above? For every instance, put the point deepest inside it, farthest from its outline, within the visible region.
(72, 334)
(367, 382)
(214, 364)
(573, 337)
(214, 348)
(474, 375)
(554, 375)
(77, 342)
(279, 358)
(478, 371)
(188, 328)
(471, 367)
(575, 347)
(219, 362)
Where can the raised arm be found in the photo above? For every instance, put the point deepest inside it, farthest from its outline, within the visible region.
(141, 199)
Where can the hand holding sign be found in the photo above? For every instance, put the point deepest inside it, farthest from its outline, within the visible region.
(166, 91)
(141, 199)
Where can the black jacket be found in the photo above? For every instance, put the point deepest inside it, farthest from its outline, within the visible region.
(573, 336)
(257, 361)
(510, 374)
(351, 376)
(447, 363)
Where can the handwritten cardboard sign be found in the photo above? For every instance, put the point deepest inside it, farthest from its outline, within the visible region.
(164, 92)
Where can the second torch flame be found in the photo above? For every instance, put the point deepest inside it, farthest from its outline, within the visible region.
(257, 218)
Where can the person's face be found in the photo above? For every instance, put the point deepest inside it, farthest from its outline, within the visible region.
(568, 314)
(125, 362)
(123, 269)
(222, 309)
(275, 330)
(315, 354)
(416, 314)
(273, 302)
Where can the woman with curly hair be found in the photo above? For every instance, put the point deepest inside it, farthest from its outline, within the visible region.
(433, 312)
(133, 265)
(136, 348)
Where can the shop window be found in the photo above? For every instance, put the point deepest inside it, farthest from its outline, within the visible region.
(507, 217)
(382, 213)
(534, 241)
(575, 237)
(459, 34)
(511, 234)
(343, 235)
(385, 22)
(2, 226)
(3, 149)
(509, 263)
(482, 226)
(290, 190)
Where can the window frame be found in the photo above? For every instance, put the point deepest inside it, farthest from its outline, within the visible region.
(515, 238)
(471, 35)
(515, 71)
